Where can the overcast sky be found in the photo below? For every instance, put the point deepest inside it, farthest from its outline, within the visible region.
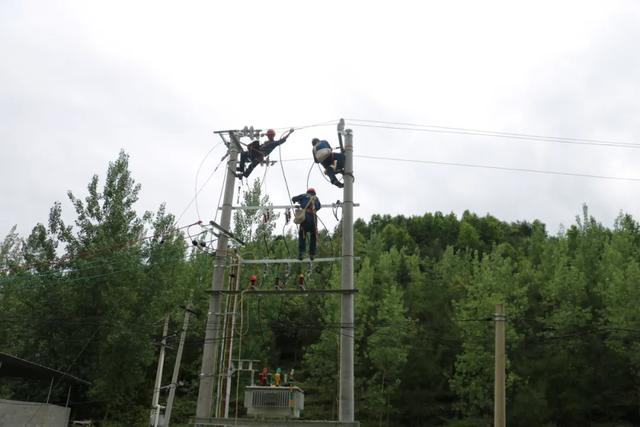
(81, 80)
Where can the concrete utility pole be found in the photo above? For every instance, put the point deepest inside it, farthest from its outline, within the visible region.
(155, 411)
(499, 390)
(347, 412)
(176, 367)
(231, 331)
(210, 349)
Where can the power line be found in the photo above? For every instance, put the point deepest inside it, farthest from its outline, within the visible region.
(503, 168)
(320, 124)
(473, 165)
(197, 191)
(477, 132)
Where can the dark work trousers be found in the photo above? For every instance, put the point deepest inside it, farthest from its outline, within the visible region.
(307, 227)
(332, 165)
(244, 156)
(257, 155)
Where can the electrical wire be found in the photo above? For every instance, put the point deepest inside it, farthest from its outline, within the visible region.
(195, 197)
(309, 174)
(198, 190)
(320, 124)
(289, 201)
(477, 132)
(224, 181)
(472, 165)
(66, 370)
(284, 176)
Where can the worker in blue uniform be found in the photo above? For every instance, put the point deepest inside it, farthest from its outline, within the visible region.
(257, 152)
(311, 204)
(333, 162)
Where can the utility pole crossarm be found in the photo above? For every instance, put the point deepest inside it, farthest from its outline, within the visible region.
(326, 205)
(286, 291)
(226, 232)
(290, 260)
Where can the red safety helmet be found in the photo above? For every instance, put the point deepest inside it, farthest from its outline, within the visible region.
(311, 190)
(253, 278)
(271, 132)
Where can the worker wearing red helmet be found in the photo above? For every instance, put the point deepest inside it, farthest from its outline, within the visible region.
(252, 281)
(311, 204)
(257, 152)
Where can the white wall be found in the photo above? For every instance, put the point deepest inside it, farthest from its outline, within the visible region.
(14, 413)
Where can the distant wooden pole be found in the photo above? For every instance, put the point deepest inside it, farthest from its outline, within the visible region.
(499, 389)
(156, 388)
(68, 397)
(163, 345)
(50, 389)
(176, 367)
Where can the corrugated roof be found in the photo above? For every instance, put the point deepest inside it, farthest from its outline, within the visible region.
(12, 366)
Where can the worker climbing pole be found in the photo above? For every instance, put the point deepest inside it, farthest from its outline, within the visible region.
(334, 163)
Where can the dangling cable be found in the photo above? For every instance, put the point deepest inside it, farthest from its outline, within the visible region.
(309, 174)
(284, 176)
(335, 210)
(263, 183)
(195, 198)
(286, 183)
(198, 173)
(224, 181)
(284, 239)
(198, 190)
(324, 175)
(333, 252)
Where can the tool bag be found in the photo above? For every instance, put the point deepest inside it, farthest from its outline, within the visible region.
(299, 214)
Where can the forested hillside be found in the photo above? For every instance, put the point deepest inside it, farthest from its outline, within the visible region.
(90, 298)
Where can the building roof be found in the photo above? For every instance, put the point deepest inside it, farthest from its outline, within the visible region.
(12, 366)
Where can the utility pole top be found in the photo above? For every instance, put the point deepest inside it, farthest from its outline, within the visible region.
(247, 131)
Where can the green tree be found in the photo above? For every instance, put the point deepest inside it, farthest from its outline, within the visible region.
(108, 287)
(493, 281)
(254, 224)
